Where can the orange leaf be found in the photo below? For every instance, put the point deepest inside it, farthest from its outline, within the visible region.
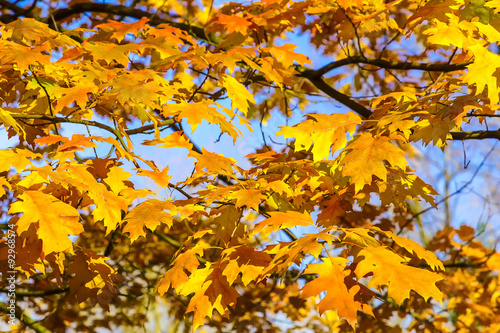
(149, 214)
(279, 220)
(287, 56)
(162, 178)
(331, 279)
(234, 23)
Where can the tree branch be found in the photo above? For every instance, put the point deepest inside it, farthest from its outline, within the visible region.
(475, 135)
(337, 95)
(110, 129)
(366, 113)
(458, 191)
(79, 8)
(439, 67)
(9, 5)
(37, 293)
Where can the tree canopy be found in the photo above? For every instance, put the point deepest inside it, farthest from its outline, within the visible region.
(124, 206)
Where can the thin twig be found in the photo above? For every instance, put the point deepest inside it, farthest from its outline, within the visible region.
(451, 194)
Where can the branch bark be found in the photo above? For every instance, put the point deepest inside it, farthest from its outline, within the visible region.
(476, 135)
(110, 129)
(37, 293)
(79, 8)
(335, 94)
(439, 67)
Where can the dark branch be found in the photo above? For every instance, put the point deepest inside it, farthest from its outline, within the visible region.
(37, 293)
(53, 120)
(13, 7)
(439, 67)
(337, 95)
(476, 135)
(79, 8)
(366, 113)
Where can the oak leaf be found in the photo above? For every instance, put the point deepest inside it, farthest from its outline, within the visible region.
(149, 214)
(331, 274)
(414, 248)
(327, 132)
(93, 278)
(54, 219)
(279, 220)
(388, 270)
(186, 262)
(212, 291)
(365, 158)
(239, 95)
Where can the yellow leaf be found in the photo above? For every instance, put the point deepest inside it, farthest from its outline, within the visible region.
(116, 178)
(176, 276)
(331, 280)
(365, 158)
(54, 219)
(327, 132)
(176, 139)
(27, 31)
(149, 214)
(414, 248)
(239, 95)
(388, 270)
(110, 52)
(8, 120)
(213, 163)
(121, 29)
(247, 261)
(249, 198)
(482, 72)
(212, 292)
(279, 220)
